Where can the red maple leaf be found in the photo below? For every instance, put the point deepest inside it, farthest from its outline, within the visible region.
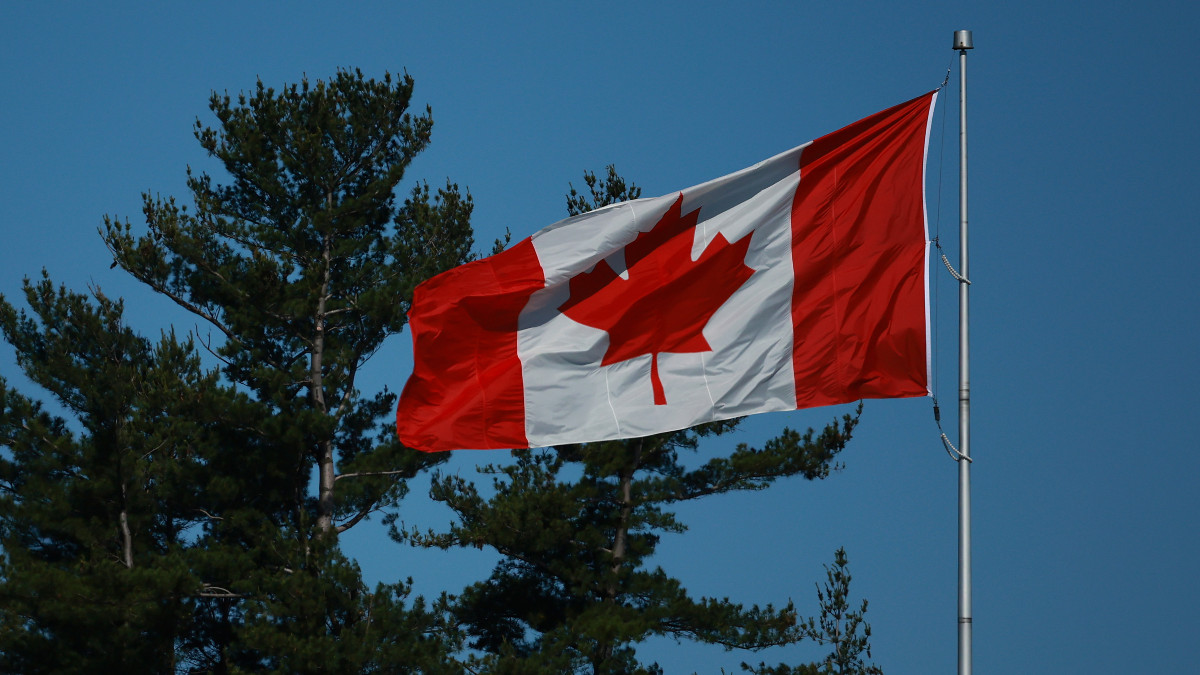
(667, 299)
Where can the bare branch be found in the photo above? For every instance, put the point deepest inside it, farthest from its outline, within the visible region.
(154, 449)
(340, 310)
(218, 592)
(346, 395)
(209, 514)
(367, 473)
(42, 437)
(357, 518)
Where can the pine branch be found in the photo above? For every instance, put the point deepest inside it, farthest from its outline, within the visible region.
(369, 473)
(357, 517)
(209, 515)
(218, 592)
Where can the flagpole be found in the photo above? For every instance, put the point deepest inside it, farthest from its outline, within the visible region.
(962, 42)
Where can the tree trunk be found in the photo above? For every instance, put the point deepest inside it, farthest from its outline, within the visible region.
(325, 474)
(126, 535)
(620, 539)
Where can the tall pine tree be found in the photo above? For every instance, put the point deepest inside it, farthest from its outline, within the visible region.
(576, 526)
(304, 264)
(303, 261)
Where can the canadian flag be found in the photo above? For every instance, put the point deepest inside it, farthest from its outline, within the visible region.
(798, 282)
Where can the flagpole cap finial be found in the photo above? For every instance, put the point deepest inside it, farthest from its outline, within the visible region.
(962, 39)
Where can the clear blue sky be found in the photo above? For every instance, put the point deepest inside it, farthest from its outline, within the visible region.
(1085, 236)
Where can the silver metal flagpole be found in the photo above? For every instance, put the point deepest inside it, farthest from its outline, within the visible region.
(962, 42)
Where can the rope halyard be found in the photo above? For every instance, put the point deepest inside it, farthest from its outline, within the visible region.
(946, 261)
(954, 452)
(953, 272)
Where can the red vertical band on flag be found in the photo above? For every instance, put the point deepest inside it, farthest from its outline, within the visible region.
(466, 389)
(858, 251)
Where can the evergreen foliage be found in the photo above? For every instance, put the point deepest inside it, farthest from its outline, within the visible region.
(577, 526)
(96, 512)
(304, 263)
(185, 520)
(837, 627)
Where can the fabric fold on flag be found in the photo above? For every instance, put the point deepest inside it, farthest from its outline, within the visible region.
(798, 282)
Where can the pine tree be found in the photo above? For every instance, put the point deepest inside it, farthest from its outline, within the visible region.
(576, 526)
(837, 627)
(98, 510)
(302, 263)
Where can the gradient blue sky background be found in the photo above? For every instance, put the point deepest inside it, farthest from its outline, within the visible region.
(1084, 214)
